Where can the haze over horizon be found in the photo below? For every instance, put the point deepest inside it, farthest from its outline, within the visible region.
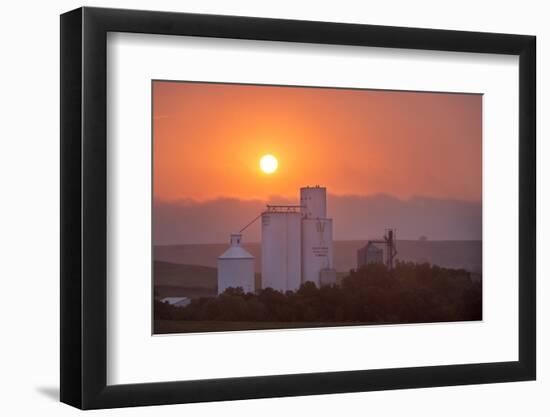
(354, 218)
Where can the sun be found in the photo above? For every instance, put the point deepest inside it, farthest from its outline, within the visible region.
(268, 164)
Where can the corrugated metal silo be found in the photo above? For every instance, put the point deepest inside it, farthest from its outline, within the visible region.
(236, 267)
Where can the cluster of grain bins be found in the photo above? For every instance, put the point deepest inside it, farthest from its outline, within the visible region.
(297, 247)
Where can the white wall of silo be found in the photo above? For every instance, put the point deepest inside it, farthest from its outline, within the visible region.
(314, 202)
(281, 250)
(317, 248)
(236, 273)
(236, 267)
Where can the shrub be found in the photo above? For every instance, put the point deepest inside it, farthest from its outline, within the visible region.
(410, 293)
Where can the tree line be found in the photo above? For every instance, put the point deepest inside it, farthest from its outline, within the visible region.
(409, 293)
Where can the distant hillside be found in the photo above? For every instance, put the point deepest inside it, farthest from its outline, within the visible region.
(180, 280)
(173, 280)
(190, 276)
(465, 254)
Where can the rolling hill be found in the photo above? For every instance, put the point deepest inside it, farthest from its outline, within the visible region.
(180, 280)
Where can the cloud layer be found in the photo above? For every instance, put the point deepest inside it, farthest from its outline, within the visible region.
(355, 217)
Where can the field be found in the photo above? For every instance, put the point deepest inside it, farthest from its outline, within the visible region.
(180, 326)
(373, 294)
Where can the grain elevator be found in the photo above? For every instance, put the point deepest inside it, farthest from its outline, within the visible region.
(297, 243)
(296, 247)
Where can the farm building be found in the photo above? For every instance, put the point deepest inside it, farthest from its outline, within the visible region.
(177, 301)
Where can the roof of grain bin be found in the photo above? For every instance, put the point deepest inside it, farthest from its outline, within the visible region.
(371, 247)
(236, 251)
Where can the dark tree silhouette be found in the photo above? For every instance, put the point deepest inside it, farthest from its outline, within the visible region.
(409, 293)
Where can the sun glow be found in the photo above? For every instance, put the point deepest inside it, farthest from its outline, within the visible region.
(268, 164)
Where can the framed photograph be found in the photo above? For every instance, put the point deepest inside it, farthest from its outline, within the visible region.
(257, 208)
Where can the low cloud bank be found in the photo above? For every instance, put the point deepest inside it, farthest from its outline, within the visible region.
(355, 217)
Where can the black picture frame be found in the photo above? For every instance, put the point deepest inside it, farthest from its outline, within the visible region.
(84, 207)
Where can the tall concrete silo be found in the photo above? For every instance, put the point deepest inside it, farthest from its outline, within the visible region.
(314, 202)
(236, 267)
(317, 248)
(317, 252)
(281, 247)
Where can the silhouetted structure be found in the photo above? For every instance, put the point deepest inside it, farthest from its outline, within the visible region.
(370, 253)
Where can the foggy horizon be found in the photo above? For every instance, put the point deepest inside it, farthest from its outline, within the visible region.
(245, 243)
(355, 218)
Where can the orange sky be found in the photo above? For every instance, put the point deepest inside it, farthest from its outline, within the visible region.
(208, 139)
